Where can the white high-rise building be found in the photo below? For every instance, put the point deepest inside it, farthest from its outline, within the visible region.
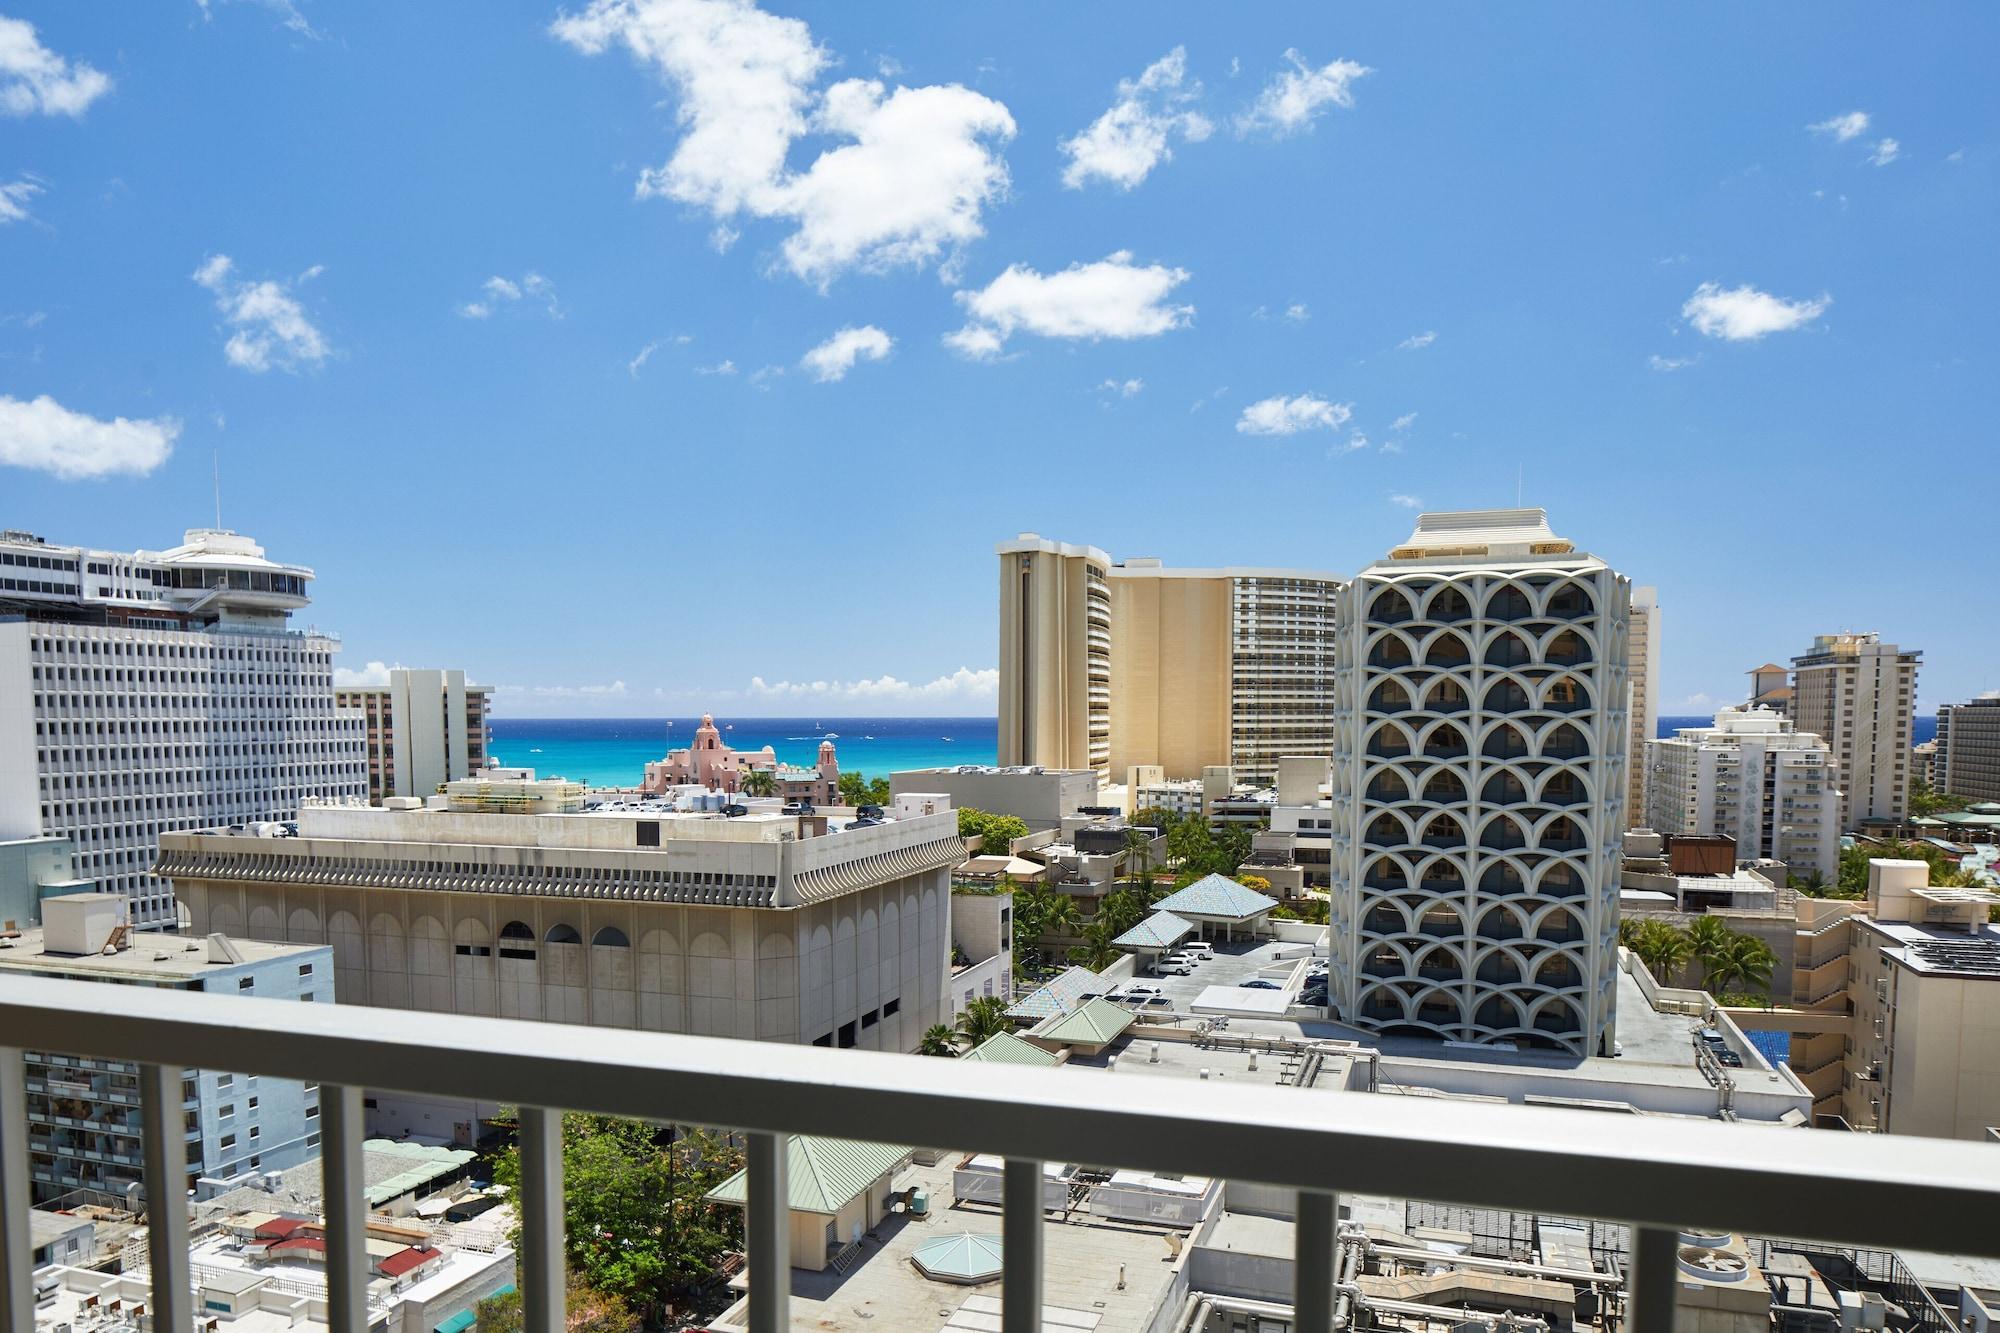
(1753, 778)
(1643, 679)
(1859, 694)
(424, 729)
(1478, 786)
(144, 692)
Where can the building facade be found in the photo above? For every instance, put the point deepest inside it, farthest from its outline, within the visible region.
(1642, 676)
(84, 1121)
(423, 729)
(1752, 778)
(1477, 791)
(711, 763)
(1121, 665)
(145, 692)
(790, 929)
(1041, 798)
(1967, 758)
(1859, 694)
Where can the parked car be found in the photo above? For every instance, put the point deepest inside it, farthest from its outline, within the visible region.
(1314, 995)
(1259, 983)
(1199, 949)
(1143, 989)
(1172, 967)
(1191, 959)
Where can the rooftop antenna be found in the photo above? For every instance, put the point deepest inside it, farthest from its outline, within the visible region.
(216, 457)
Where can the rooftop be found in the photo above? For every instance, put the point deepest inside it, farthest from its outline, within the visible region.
(152, 957)
(1217, 897)
(1156, 932)
(822, 1174)
(1004, 1048)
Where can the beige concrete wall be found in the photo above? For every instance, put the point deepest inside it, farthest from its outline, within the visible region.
(1170, 674)
(1944, 1076)
(1045, 635)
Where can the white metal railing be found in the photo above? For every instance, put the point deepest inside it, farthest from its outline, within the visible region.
(1657, 1175)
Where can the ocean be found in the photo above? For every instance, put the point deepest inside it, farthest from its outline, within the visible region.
(613, 752)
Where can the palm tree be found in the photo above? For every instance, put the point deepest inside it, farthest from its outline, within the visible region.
(760, 782)
(1120, 911)
(983, 1019)
(1061, 917)
(1708, 939)
(1744, 961)
(1139, 850)
(938, 1040)
(1097, 952)
(1663, 949)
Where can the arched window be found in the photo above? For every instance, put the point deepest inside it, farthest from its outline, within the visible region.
(512, 937)
(562, 934)
(610, 938)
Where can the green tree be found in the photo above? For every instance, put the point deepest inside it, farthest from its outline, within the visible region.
(1097, 952)
(1155, 817)
(1190, 845)
(1121, 910)
(1853, 879)
(1924, 802)
(983, 1019)
(1663, 949)
(1061, 915)
(1139, 851)
(995, 832)
(1708, 938)
(1742, 962)
(858, 790)
(760, 782)
(1255, 883)
(1232, 849)
(636, 1225)
(585, 1311)
(938, 1040)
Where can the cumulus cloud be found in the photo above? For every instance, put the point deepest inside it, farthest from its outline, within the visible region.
(46, 436)
(913, 183)
(375, 673)
(1407, 501)
(1125, 143)
(14, 197)
(1294, 98)
(615, 690)
(1111, 298)
(832, 359)
(1744, 313)
(965, 686)
(271, 328)
(1288, 416)
(1849, 125)
(1887, 151)
(1123, 388)
(497, 291)
(34, 79)
(1297, 313)
(1417, 341)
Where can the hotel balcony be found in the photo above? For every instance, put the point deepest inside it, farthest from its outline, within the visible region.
(1678, 1174)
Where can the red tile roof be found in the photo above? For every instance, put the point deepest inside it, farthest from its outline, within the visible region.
(405, 1260)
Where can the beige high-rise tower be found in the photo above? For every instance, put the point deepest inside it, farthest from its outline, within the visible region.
(1110, 665)
(1859, 695)
(1642, 678)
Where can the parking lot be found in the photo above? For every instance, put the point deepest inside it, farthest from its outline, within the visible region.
(1233, 962)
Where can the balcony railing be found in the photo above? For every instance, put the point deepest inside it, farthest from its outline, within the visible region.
(1841, 1189)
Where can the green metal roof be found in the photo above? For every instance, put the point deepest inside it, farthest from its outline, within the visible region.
(1093, 1024)
(395, 1168)
(1007, 1049)
(822, 1175)
(1217, 896)
(1155, 932)
(1060, 994)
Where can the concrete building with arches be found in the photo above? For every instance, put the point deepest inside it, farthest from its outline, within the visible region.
(768, 927)
(1478, 787)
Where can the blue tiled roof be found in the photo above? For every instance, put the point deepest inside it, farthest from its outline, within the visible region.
(1155, 932)
(1217, 896)
(1059, 995)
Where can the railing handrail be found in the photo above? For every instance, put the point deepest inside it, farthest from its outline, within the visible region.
(1845, 1189)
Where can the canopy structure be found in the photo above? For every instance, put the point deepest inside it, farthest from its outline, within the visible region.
(1158, 931)
(962, 1257)
(1004, 1048)
(1059, 995)
(1218, 900)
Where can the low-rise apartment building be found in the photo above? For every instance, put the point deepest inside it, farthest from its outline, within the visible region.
(84, 1124)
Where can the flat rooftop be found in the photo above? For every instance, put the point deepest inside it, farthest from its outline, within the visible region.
(152, 957)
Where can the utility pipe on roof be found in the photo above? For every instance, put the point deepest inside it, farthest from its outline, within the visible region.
(1481, 1261)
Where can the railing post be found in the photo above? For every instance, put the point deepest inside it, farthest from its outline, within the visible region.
(1312, 1263)
(544, 1293)
(165, 1128)
(767, 1233)
(17, 1258)
(1021, 1247)
(1650, 1291)
(344, 1184)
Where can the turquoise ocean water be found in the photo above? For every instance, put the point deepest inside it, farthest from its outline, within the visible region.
(613, 752)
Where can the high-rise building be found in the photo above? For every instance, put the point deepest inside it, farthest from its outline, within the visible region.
(1642, 674)
(1967, 761)
(1859, 694)
(1750, 777)
(1478, 787)
(424, 729)
(147, 691)
(1122, 665)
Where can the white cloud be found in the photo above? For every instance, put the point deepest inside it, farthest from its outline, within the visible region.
(1111, 298)
(1669, 364)
(1407, 501)
(832, 359)
(1294, 98)
(763, 375)
(48, 437)
(14, 197)
(1849, 125)
(1956, 155)
(1123, 388)
(36, 79)
(1289, 416)
(287, 11)
(719, 368)
(1404, 422)
(1391, 446)
(1297, 313)
(1129, 140)
(922, 166)
(375, 673)
(1417, 341)
(615, 690)
(645, 355)
(963, 686)
(1740, 313)
(497, 291)
(271, 326)
(1886, 152)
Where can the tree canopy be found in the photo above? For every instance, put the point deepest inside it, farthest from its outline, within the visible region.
(856, 789)
(995, 832)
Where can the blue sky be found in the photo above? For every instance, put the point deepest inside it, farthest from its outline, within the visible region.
(509, 327)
